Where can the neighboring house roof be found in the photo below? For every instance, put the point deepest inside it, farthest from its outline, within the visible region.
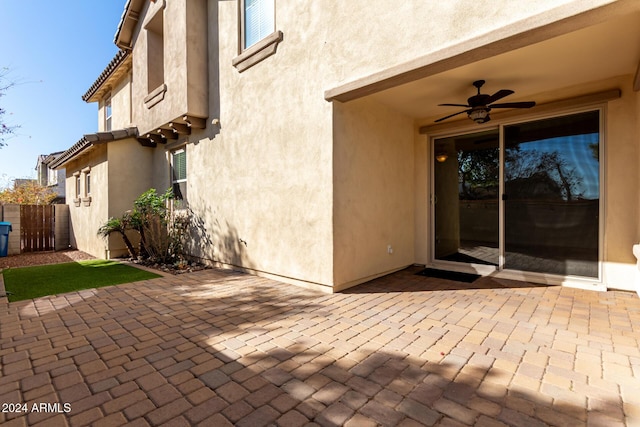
(46, 159)
(112, 72)
(90, 140)
(124, 34)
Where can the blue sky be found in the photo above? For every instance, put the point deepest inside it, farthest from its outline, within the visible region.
(54, 51)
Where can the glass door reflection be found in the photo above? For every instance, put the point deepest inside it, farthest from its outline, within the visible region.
(552, 194)
(466, 206)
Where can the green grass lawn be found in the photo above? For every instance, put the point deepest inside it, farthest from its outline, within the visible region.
(32, 282)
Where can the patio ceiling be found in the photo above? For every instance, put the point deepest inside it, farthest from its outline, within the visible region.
(558, 68)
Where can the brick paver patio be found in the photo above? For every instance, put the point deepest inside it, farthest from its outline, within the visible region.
(217, 348)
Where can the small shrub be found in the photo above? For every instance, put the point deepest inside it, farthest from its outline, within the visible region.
(163, 232)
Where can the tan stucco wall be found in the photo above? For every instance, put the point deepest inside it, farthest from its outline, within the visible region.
(264, 175)
(266, 182)
(621, 187)
(120, 172)
(120, 105)
(425, 27)
(374, 191)
(84, 221)
(254, 145)
(130, 173)
(293, 186)
(185, 64)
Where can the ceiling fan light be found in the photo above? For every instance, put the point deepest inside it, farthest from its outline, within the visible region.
(479, 115)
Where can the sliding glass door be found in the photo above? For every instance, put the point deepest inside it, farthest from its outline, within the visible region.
(552, 195)
(466, 178)
(522, 197)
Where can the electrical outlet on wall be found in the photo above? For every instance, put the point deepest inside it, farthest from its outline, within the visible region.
(389, 249)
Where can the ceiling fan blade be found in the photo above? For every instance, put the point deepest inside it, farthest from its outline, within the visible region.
(528, 104)
(451, 115)
(499, 95)
(453, 105)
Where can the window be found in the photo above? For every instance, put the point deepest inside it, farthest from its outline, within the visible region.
(87, 184)
(179, 175)
(107, 115)
(52, 177)
(78, 186)
(258, 21)
(258, 36)
(156, 86)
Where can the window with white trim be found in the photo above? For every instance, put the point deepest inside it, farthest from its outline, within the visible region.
(179, 176)
(52, 176)
(258, 21)
(258, 38)
(107, 115)
(77, 186)
(87, 184)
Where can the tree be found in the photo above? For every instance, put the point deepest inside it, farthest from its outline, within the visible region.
(6, 130)
(119, 225)
(162, 231)
(546, 170)
(27, 193)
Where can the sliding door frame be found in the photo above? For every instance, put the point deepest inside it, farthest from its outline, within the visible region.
(499, 271)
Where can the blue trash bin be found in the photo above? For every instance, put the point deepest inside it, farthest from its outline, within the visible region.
(5, 228)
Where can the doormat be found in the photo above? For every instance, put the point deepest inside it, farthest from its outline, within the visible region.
(449, 275)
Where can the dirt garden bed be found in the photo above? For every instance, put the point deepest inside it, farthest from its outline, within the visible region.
(43, 258)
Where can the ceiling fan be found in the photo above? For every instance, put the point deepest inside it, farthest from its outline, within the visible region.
(479, 105)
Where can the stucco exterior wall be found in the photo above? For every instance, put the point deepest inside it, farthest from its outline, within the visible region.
(374, 192)
(620, 188)
(120, 96)
(59, 186)
(260, 182)
(120, 172)
(85, 218)
(411, 29)
(284, 183)
(185, 64)
(130, 174)
(272, 148)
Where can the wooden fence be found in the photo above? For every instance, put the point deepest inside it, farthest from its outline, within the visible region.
(37, 228)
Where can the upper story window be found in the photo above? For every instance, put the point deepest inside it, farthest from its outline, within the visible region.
(52, 177)
(107, 115)
(258, 21)
(87, 184)
(156, 86)
(77, 176)
(155, 51)
(258, 35)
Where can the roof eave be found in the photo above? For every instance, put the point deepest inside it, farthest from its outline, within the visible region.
(124, 34)
(114, 70)
(90, 140)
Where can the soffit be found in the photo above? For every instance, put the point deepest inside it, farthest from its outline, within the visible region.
(128, 22)
(111, 76)
(542, 72)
